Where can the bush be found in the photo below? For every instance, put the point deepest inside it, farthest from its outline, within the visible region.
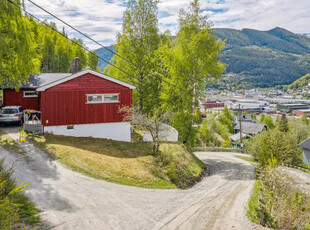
(283, 146)
(255, 207)
(8, 209)
(225, 144)
(285, 202)
(182, 167)
(14, 206)
(206, 135)
(299, 130)
(268, 121)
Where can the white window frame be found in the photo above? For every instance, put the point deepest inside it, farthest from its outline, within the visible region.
(34, 95)
(102, 96)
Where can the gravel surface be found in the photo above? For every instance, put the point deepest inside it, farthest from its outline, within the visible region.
(70, 200)
(301, 179)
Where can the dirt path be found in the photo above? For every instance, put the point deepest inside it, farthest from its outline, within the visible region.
(69, 200)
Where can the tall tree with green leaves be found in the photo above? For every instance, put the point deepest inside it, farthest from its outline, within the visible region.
(282, 124)
(17, 45)
(136, 46)
(304, 119)
(226, 118)
(92, 60)
(190, 62)
(56, 51)
(268, 121)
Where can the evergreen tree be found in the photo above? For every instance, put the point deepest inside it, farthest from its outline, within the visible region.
(283, 124)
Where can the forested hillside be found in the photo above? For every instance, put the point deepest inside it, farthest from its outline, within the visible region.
(303, 82)
(29, 46)
(263, 58)
(257, 58)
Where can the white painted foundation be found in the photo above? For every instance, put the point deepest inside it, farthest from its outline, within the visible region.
(119, 131)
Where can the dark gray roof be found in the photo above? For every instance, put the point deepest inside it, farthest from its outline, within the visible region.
(39, 80)
(250, 128)
(305, 144)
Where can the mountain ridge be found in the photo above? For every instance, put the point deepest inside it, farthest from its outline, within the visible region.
(256, 58)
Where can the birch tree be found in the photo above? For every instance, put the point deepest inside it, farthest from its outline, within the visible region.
(136, 46)
(193, 58)
(17, 45)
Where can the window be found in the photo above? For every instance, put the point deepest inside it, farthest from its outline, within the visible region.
(94, 98)
(111, 98)
(102, 98)
(70, 127)
(30, 94)
(9, 111)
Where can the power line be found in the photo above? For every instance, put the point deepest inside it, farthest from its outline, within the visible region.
(90, 39)
(72, 40)
(82, 33)
(55, 29)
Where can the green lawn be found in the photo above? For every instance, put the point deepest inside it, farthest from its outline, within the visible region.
(124, 163)
(246, 158)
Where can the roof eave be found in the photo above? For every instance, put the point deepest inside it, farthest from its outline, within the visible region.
(68, 78)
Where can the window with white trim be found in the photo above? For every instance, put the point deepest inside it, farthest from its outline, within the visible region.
(102, 98)
(30, 94)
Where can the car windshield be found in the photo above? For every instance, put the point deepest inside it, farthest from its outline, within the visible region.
(9, 111)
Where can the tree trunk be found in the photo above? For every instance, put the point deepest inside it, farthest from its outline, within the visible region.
(141, 91)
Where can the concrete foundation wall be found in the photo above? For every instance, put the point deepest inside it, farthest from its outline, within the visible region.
(120, 131)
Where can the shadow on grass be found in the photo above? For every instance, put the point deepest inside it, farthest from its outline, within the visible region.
(106, 147)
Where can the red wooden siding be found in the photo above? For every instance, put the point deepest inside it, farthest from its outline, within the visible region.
(65, 104)
(11, 97)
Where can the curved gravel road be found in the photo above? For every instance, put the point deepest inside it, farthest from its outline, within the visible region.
(70, 200)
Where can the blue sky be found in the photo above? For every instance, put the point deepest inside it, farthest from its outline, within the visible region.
(102, 19)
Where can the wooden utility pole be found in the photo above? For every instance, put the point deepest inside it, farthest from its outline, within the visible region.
(240, 126)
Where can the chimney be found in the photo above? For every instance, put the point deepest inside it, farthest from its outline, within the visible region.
(75, 65)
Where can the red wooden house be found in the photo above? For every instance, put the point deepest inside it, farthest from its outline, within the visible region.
(82, 104)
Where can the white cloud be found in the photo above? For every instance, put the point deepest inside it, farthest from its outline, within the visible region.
(102, 19)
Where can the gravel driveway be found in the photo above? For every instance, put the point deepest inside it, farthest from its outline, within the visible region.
(70, 200)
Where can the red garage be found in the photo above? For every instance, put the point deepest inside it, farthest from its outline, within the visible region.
(82, 104)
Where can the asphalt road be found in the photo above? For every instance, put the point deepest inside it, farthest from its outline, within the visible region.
(70, 200)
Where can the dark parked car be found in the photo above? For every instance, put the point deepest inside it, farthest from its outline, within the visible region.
(11, 114)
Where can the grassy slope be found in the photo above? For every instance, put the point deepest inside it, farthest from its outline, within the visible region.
(124, 163)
